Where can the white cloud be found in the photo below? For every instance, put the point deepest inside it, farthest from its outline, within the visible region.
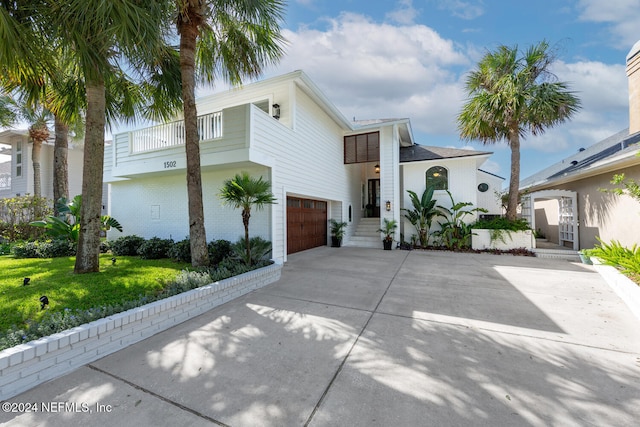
(405, 14)
(462, 9)
(622, 15)
(380, 70)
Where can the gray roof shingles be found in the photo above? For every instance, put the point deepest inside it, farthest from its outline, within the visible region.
(417, 153)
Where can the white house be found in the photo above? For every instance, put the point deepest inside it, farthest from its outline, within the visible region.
(16, 174)
(320, 165)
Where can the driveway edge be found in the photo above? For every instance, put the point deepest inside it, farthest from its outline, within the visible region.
(28, 365)
(626, 288)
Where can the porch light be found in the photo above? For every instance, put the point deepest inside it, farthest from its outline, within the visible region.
(276, 111)
(377, 168)
(388, 205)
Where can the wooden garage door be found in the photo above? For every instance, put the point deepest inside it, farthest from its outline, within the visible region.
(306, 224)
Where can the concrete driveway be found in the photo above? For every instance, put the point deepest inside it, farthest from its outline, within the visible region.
(364, 337)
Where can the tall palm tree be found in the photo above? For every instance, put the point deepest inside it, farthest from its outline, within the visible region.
(231, 39)
(244, 192)
(7, 111)
(510, 96)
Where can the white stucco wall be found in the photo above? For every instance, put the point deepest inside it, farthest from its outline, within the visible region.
(157, 206)
(463, 182)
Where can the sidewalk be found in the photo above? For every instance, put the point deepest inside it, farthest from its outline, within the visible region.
(359, 337)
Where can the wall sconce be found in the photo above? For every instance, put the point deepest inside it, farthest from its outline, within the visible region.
(276, 111)
(377, 168)
(388, 205)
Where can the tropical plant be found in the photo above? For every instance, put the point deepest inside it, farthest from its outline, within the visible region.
(244, 192)
(388, 229)
(67, 223)
(337, 228)
(613, 253)
(513, 95)
(455, 232)
(625, 185)
(228, 39)
(260, 250)
(422, 214)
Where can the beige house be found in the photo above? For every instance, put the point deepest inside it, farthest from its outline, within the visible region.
(565, 202)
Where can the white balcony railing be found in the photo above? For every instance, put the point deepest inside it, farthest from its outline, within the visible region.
(172, 134)
(5, 181)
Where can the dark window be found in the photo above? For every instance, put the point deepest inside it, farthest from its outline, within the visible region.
(438, 178)
(362, 148)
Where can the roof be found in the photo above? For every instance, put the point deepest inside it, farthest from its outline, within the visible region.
(601, 157)
(492, 174)
(418, 153)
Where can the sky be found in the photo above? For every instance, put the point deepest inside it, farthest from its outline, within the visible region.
(409, 59)
(379, 59)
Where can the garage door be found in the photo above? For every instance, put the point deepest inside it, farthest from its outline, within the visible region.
(306, 224)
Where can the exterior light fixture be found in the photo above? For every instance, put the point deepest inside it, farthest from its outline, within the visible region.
(377, 168)
(388, 205)
(276, 111)
(436, 174)
(44, 302)
(26, 281)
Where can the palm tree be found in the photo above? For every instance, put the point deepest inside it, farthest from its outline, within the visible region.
(422, 214)
(244, 192)
(7, 111)
(231, 39)
(510, 96)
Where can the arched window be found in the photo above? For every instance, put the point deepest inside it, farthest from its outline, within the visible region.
(438, 178)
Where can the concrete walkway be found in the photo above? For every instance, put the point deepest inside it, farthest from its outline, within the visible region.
(365, 337)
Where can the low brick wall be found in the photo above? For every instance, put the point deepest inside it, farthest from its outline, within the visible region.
(27, 365)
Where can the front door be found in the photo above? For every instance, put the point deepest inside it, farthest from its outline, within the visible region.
(373, 203)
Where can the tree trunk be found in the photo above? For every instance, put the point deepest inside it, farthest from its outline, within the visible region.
(246, 214)
(514, 179)
(60, 164)
(35, 159)
(87, 258)
(197, 235)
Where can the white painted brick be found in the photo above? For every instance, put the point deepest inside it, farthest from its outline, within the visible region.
(33, 367)
(68, 350)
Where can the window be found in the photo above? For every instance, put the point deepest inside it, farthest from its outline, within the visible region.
(362, 148)
(19, 158)
(438, 178)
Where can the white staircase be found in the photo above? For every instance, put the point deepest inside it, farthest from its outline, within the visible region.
(545, 249)
(366, 235)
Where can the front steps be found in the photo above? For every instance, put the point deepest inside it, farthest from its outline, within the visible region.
(366, 235)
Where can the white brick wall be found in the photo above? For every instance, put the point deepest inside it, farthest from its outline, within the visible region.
(28, 365)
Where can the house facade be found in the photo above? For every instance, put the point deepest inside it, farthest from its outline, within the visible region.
(16, 174)
(565, 201)
(321, 166)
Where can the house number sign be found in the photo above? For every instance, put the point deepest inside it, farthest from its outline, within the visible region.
(171, 164)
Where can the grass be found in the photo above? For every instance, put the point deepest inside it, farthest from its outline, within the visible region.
(128, 279)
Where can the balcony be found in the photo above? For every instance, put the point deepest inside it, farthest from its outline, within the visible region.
(172, 134)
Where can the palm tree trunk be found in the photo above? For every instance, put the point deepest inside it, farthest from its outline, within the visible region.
(35, 159)
(246, 214)
(60, 164)
(197, 235)
(514, 180)
(87, 258)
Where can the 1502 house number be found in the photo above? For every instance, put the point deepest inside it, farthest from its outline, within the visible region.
(171, 164)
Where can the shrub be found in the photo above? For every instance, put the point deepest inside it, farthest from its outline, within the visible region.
(503, 224)
(126, 245)
(17, 212)
(260, 250)
(155, 248)
(56, 248)
(613, 253)
(45, 249)
(181, 251)
(26, 250)
(219, 250)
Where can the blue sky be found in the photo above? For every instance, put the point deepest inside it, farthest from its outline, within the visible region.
(409, 58)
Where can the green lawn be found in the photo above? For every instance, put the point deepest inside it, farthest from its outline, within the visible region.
(129, 278)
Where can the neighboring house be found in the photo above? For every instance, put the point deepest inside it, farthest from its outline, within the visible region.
(16, 174)
(565, 201)
(320, 165)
